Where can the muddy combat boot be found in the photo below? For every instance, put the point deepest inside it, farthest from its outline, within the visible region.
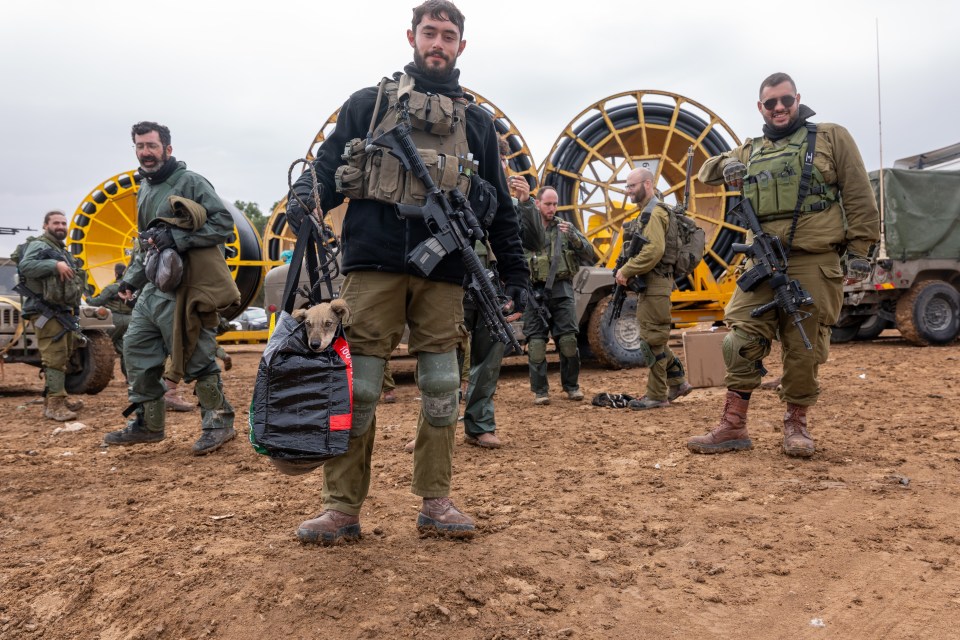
(796, 439)
(330, 527)
(644, 402)
(56, 409)
(730, 434)
(146, 426)
(439, 517)
(678, 391)
(173, 399)
(217, 415)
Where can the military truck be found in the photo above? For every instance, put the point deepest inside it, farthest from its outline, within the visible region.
(914, 285)
(91, 366)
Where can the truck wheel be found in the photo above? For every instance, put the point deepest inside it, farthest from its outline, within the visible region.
(871, 328)
(929, 313)
(615, 346)
(91, 367)
(846, 333)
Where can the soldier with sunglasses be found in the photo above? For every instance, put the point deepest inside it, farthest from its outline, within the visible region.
(796, 176)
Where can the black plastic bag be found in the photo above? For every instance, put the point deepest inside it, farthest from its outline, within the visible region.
(302, 400)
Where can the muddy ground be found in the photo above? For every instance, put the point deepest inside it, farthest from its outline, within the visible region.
(593, 522)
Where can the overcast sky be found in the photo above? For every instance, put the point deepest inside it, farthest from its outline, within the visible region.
(245, 86)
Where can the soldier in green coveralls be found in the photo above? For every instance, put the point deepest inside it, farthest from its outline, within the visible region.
(665, 377)
(816, 230)
(48, 269)
(554, 250)
(109, 297)
(150, 337)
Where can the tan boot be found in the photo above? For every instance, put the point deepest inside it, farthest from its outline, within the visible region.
(439, 517)
(74, 404)
(56, 409)
(796, 439)
(174, 399)
(330, 527)
(730, 434)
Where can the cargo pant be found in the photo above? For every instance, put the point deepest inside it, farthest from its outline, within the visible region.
(563, 322)
(653, 321)
(749, 341)
(486, 354)
(148, 341)
(381, 304)
(54, 354)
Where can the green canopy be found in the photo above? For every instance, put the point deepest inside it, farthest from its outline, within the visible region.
(921, 212)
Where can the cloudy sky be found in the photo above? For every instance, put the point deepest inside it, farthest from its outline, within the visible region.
(245, 86)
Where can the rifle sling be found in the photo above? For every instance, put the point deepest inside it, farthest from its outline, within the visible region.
(554, 264)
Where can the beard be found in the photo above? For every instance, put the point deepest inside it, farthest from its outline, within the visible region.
(59, 234)
(432, 72)
(158, 163)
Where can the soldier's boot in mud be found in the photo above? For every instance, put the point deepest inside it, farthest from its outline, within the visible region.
(56, 408)
(330, 527)
(731, 434)
(145, 427)
(439, 517)
(74, 404)
(174, 399)
(796, 439)
(216, 415)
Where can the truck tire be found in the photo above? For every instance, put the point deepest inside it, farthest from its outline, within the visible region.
(91, 367)
(846, 333)
(929, 313)
(871, 328)
(615, 346)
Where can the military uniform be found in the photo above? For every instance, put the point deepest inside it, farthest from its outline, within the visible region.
(38, 267)
(545, 248)
(815, 229)
(383, 291)
(149, 338)
(486, 355)
(653, 304)
(121, 316)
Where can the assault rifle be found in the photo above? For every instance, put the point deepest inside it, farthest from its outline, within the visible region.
(12, 231)
(682, 207)
(454, 227)
(636, 284)
(770, 266)
(48, 312)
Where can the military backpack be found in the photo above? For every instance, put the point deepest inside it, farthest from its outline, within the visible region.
(685, 243)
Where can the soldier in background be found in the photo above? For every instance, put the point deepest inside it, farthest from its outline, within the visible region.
(48, 269)
(554, 250)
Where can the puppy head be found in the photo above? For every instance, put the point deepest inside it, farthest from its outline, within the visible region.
(320, 322)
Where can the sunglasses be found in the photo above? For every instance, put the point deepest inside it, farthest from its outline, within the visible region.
(786, 101)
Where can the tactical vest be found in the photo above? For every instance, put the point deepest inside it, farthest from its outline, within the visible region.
(773, 182)
(57, 292)
(439, 131)
(539, 261)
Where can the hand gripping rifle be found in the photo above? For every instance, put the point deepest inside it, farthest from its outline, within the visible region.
(636, 284)
(454, 228)
(770, 266)
(67, 320)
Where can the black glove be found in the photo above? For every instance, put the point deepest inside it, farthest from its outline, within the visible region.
(125, 287)
(518, 295)
(734, 173)
(856, 269)
(294, 215)
(163, 238)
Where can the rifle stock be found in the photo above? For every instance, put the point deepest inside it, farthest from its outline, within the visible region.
(636, 284)
(68, 321)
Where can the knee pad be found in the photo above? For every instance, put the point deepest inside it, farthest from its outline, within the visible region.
(567, 345)
(537, 350)
(743, 353)
(439, 379)
(209, 390)
(367, 385)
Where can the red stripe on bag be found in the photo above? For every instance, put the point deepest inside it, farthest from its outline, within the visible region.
(344, 422)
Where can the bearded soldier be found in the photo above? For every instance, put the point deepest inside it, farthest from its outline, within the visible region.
(808, 186)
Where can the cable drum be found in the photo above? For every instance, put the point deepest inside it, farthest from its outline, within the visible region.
(590, 161)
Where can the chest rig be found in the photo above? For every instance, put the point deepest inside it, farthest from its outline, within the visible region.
(783, 181)
(439, 132)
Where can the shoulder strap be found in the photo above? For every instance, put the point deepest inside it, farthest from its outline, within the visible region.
(805, 177)
(554, 263)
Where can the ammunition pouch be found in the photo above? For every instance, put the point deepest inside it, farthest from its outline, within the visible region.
(64, 293)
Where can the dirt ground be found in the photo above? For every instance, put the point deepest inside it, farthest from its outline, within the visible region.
(592, 522)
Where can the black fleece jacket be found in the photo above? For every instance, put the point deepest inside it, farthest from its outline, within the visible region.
(374, 237)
